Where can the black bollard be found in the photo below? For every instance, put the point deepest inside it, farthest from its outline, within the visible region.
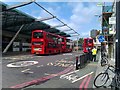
(77, 63)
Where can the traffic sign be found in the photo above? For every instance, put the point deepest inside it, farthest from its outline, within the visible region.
(101, 38)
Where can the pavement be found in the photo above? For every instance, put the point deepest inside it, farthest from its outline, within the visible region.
(96, 68)
(102, 69)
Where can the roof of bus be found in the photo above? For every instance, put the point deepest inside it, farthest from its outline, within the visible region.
(49, 33)
(88, 38)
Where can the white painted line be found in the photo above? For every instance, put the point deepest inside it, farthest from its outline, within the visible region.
(25, 70)
(46, 74)
(50, 74)
(30, 72)
(40, 66)
(69, 73)
(82, 77)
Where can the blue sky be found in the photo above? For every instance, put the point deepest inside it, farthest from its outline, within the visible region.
(78, 15)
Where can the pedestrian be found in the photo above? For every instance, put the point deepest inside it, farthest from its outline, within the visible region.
(90, 54)
(104, 53)
(104, 49)
(94, 52)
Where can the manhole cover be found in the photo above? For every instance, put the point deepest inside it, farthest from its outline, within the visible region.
(22, 64)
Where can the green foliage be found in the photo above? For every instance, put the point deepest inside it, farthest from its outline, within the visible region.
(80, 41)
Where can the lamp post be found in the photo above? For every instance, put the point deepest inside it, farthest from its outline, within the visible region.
(117, 59)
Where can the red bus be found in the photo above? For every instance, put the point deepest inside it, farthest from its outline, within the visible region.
(69, 45)
(87, 43)
(63, 43)
(45, 43)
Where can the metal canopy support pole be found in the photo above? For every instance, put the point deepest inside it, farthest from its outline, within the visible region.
(117, 58)
(72, 33)
(55, 17)
(77, 43)
(58, 26)
(47, 18)
(67, 30)
(19, 5)
(7, 47)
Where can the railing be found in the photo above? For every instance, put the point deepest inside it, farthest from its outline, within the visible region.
(82, 60)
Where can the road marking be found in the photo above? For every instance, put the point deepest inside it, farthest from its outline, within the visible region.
(25, 70)
(50, 64)
(39, 80)
(51, 74)
(68, 54)
(70, 77)
(87, 83)
(40, 66)
(68, 73)
(83, 82)
(57, 64)
(22, 64)
(82, 77)
(28, 72)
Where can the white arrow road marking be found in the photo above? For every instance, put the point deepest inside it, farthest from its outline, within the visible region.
(25, 70)
(82, 77)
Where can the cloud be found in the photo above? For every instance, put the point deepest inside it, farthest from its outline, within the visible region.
(81, 19)
(83, 16)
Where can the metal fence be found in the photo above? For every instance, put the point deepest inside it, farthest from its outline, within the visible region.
(82, 60)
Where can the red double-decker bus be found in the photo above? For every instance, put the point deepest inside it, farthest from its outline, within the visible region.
(87, 43)
(45, 43)
(69, 45)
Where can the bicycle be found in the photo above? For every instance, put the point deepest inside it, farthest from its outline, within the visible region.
(104, 59)
(102, 78)
(115, 85)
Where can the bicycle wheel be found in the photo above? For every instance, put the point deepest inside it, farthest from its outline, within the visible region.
(101, 80)
(104, 61)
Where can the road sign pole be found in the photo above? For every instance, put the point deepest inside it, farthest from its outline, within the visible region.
(117, 59)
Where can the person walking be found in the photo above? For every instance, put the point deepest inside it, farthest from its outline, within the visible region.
(94, 52)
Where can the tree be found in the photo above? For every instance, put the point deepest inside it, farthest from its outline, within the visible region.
(80, 42)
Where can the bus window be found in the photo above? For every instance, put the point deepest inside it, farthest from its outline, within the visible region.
(90, 41)
(37, 43)
(38, 35)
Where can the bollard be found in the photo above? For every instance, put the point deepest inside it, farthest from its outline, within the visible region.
(81, 61)
(77, 63)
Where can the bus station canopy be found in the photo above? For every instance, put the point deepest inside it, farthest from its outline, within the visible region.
(13, 19)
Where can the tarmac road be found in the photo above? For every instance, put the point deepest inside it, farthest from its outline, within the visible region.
(48, 71)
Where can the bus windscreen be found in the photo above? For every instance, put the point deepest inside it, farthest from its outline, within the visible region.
(38, 35)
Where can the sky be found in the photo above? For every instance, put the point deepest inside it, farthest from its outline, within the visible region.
(78, 15)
